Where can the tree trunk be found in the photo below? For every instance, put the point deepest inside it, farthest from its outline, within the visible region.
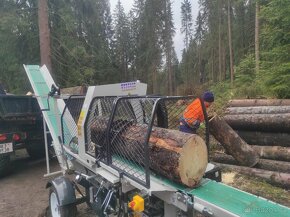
(44, 34)
(257, 30)
(258, 102)
(265, 139)
(231, 141)
(258, 110)
(181, 157)
(274, 178)
(230, 44)
(273, 152)
(260, 122)
(220, 40)
(279, 166)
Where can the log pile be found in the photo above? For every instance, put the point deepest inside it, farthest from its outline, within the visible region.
(265, 126)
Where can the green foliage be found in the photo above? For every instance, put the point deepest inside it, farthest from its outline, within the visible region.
(276, 48)
(223, 93)
(247, 82)
(90, 47)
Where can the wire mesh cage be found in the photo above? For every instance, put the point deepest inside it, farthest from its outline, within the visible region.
(128, 134)
(69, 120)
(96, 124)
(118, 130)
(174, 112)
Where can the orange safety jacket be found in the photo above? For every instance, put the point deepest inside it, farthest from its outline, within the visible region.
(193, 113)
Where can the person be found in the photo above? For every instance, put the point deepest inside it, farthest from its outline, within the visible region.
(193, 115)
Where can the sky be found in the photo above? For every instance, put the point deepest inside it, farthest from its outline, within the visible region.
(176, 4)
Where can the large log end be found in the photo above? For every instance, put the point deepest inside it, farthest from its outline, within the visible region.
(193, 161)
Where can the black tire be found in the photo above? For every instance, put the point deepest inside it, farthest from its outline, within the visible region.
(55, 210)
(4, 164)
(35, 149)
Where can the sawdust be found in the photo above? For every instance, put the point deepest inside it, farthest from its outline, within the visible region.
(228, 177)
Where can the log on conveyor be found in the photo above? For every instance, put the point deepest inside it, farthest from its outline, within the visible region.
(257, 110)
(260, 122)
(181, 157)
(273, 152)
(265, 138)
(274, 178)
(231, 141)
(258, 102)
(272, 165)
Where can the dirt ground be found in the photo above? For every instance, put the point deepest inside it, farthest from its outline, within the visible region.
(23, 192)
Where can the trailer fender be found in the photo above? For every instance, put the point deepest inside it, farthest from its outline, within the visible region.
(64, 190)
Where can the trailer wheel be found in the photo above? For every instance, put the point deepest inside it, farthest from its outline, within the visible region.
(35, 149)
(4, 164)
(56, 210)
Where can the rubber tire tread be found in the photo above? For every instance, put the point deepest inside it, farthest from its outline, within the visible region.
(69, 210)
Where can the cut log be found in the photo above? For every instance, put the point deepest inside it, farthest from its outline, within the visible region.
(181, 157)
(258, 110)
(77, 90)
(258, 102)
(265, 138)
(279, 166)
(260, 122)
(273, 152)
(274, 178)
(231, 141)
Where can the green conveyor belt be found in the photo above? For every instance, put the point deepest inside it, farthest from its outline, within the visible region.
(238, 202)
(233, 200)
(41, 90)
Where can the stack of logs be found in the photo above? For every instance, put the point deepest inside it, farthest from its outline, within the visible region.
(265, 126)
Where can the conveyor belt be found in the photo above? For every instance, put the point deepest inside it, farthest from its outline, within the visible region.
(231, 199)
(225, 197)
(41, 82)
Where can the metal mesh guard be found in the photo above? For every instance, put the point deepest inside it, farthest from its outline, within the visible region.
(100, 111)
(119, 129)
(69, 121)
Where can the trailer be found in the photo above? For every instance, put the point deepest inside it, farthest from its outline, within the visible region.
(105, 139)
(20, 128)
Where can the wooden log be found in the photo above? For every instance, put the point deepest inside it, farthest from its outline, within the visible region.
(77, 90)
(260, 122)
(274, 178)
(257, 110)
(258, 102)
(181, 157)
(279, 166)
(231, 141)
(265, 138)
(273, 152)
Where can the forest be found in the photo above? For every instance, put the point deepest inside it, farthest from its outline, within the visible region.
(237, 48)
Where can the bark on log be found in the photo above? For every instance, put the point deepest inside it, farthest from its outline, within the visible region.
(231, 141)
(274, 178)
(181, 157)
(77, 90)
(273, 152)
(258, 110)
(265, 139)
(279, 166)
(260, 122)
(258, 102)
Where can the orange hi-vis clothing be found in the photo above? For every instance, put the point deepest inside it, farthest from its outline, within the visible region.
(193, 113)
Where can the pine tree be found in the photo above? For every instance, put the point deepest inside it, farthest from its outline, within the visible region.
(186, 22)
(122, 40)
